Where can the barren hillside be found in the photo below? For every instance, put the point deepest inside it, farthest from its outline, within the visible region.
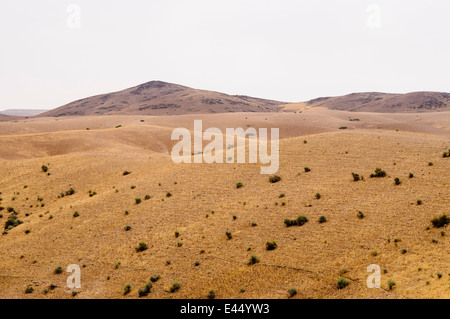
(386, 103)
(202, 231)
(161, 98)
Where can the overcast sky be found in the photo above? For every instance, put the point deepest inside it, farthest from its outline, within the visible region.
(53, 53)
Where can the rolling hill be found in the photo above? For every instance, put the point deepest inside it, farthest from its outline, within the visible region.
(386, 103)
(161, 98)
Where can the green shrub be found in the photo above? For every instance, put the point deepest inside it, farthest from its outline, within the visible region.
(292, 292)
(137, 200)
(322, 219)
(155, 278)
(12, 221)
(300, 221)
(356, 177)
(147, 197)
(76, 214)
(228, 234)
(44, 168)
(411, 175)
(419, 202)
(144, 291)
(253, 260)
(127, 289)
(307, 169)
(397, 181)
(271, 245)
(342, 283)
(29, 289)
(58, 270)
(127, 228)
(378, 173)
(175, 286)
(211, 294)
(239, 185)
(141, 247)
(441, 221)
(168, 194)
(391, 284)
(274, 179)
(317, 196)
(360, 215)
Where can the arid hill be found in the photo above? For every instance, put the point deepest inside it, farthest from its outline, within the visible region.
(386, 103)
(161, 98)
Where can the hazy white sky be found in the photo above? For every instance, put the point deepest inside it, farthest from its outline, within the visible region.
(284, 50)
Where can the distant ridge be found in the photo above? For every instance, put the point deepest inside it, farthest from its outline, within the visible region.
(22, 112)
(385, 102)
(162, 98)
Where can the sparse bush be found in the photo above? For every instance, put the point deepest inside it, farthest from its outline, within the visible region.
(127, 228)
(239, 185)
(404, 251)
(141, 247)
(419, 202)
(175, 286)
(397, 181)
(282, 195)
(229, 235)
(253, 260)
(360, 215)
(446, 154)
(76, 214)
(411, 175)
(342, 283)
(274, 179)
(126, 173)
(430, 163)
(29, 289)
(58, 270)
(391, 284)
(378, 173)
(317, 196)
(69, 192)
(177, 234)
(441, 221)
(155, 278)
(12, 220)
(144, 291)
(44, 168)
(307, 169)
(356, 177)
(168, 194)
(127, 289)
(292, 292)
(254, 224)
(271, 245)
(147, 197)
(137, 200)
(322, 219)
(300, 221)
(211, 294)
